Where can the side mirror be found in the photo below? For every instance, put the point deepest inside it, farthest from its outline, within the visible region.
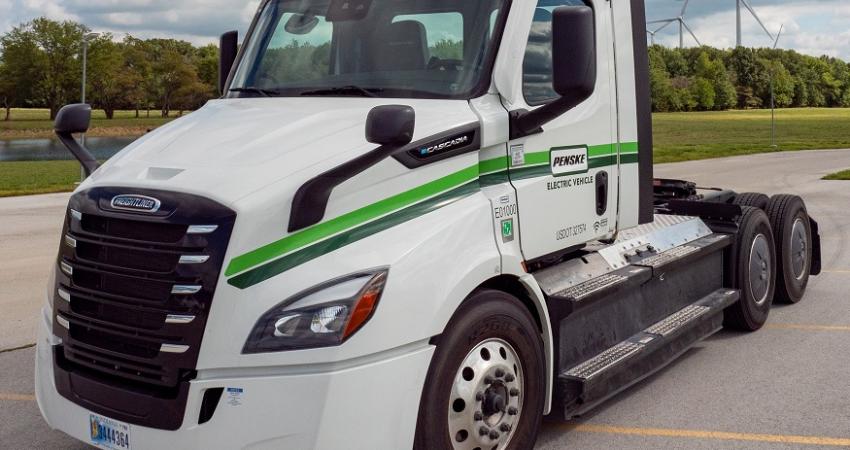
(228, 47)
(574, 53)
(73, 119)
(390, 125)
(573, 69)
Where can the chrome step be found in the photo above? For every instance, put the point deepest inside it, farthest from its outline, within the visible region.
(604, 360)
(677, 320)
(584, 290)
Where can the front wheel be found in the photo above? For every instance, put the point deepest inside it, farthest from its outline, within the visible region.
(486, 384)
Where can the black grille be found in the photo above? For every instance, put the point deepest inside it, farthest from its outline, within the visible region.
(116, 301)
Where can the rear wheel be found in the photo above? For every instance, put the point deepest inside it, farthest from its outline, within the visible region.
(485, 387)
(793, 237)
(752, 270)
(754, 199)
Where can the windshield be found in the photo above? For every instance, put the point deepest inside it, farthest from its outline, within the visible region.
(370, 48)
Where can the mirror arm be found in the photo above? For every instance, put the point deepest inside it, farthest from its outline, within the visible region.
(86, 159)
(311, 199)
(525, 123)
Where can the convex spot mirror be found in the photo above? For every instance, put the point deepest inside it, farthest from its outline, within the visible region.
(301, 24)
(390, 125)
(574, 53)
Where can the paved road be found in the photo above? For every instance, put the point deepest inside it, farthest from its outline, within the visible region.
(785, 387)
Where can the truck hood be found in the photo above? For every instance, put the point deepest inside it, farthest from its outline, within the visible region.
(232, 148)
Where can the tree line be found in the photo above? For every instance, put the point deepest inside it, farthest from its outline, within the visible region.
(41, 67)
(707, 79)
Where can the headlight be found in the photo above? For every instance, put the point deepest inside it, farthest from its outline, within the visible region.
(323, 316)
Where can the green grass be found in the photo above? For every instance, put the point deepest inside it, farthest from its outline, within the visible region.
(690, 136)
(678, 137)
(37, 177)
(36, 123)
(843, 175)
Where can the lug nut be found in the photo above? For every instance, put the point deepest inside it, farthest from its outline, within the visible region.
(505, 428)
(510, 378)
(514, 392)
(488, 380)
(483, 431)
(512, 411)
(479, 396)
(478, 416)
(500, 373)
(494, 435)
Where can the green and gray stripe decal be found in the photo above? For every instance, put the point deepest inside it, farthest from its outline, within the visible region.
(273, 259)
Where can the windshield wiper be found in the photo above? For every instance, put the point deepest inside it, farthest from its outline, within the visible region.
(345, 90)
(256, 90)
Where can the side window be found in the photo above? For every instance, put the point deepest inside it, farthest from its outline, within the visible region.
(537, 64)
(442, 33)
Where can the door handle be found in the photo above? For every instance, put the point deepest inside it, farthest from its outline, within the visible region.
(601, 193)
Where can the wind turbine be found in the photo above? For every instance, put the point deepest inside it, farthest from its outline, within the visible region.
(682, 26)
(651, 36)
(749, 8)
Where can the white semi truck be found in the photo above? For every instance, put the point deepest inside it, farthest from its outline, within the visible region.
(405, 224)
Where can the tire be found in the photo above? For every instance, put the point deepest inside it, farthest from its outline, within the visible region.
(753, 199)
(793, 243)
(752, 270)
(497, 326)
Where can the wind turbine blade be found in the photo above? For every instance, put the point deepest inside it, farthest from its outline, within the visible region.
(684, 7)
(692, 33)
(778, 35)
(666, 24)
(661, 21)
(753, 12)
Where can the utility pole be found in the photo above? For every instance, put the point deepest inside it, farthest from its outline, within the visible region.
(86, 39)
(772, 98)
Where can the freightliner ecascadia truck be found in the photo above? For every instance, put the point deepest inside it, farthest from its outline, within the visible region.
(405, 224)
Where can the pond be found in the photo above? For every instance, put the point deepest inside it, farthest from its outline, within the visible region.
(51, 149)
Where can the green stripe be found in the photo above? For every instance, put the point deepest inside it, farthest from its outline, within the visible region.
(493, 171)
(278, 266)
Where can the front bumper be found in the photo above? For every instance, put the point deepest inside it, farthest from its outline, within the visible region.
(368, 405)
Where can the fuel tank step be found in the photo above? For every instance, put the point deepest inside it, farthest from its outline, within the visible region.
(591, 382)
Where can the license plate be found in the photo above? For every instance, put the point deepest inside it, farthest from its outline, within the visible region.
(108, 433)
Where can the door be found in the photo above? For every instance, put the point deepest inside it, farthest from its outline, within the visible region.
(566, 177)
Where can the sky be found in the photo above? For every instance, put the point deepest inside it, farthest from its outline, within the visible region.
(815, 27)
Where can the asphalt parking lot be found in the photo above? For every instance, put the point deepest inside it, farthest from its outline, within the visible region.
(784, 387)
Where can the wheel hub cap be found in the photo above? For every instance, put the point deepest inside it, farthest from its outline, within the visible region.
(486, 397)
(799, 249)
(760, 268)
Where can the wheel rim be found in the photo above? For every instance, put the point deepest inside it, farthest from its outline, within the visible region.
(799, 248)
(760, 268)
(486, 398)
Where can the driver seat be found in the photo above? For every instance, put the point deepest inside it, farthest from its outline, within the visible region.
(402, 45)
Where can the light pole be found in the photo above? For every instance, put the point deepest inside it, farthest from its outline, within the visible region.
(86, 39)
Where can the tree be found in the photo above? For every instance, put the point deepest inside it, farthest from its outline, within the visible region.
(111, 76)
(206, 64)
(7, 91)
(23, 67)
(137, 62)
(60, 43)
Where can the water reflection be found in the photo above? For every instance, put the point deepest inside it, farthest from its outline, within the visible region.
(51, 149)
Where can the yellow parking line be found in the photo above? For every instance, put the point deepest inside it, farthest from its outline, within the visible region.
(835, 271)
(712, 435)
(806, 327)
(17, 397)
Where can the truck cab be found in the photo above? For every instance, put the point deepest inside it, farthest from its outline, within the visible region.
(405, 224)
